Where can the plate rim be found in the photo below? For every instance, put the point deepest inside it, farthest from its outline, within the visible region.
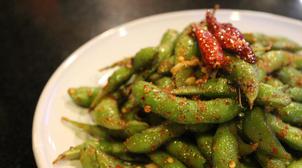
(51, 83)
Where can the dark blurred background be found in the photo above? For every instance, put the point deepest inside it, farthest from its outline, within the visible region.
(37, 35)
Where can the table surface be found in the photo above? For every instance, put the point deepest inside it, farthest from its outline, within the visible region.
(36, 36)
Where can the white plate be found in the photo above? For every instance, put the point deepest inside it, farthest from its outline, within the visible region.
(51, 136)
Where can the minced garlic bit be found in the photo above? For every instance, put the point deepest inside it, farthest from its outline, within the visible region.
(147, 109)
(232, 164)
(170, 160)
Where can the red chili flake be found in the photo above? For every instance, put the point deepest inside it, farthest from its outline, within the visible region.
(209, 47)
(118, 166)
(230, 38)
(274, 150)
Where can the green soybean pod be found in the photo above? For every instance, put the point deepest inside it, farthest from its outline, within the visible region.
(165, 83)
(183, 110)
(129, 105)
(274, 60)
(267, 161)
(144, 57)
(297, 61)
(213, 88)
(225, 148)
(272, 96)
(291, 113)
(107, 114)
(204, 143)
(282, 43)
(164, 160)
(246, 75)
(73, 153)
(93, 130)
(107, 161)
(186, 153)
(290, 76)
(295, 164)
(167, 44)
(292, 136)
(185, 48)
(150, 139)
(295, 93)
(118, 78)
(83, 96)
(258, 131)
(274, 82)
(88, 157)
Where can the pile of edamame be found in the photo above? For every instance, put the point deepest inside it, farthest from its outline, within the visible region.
(162, 108)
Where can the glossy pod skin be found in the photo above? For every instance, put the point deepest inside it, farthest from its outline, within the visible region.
(295, 93)
(291, 113)
(295, 164)
(164, 160)
(144, 58)
(290, 135)
(274, 82)
(282, 43)
(166, 65)
(213, 88)
(246, 75)
(88, 157)
(225, 148)
(258, 131)
(83, 96)
(272, 96)
(150, 139)
(167, 44)
(267, 161)
(185, 48)
(274, 60)
(186, 153)
(204, 143)
(107, 114)
(290, 76)
(118, 78)
(132, 127)
(182, 110)
(165, 83)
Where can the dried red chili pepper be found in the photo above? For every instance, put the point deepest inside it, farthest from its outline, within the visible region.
(209, 47)
(230, 38)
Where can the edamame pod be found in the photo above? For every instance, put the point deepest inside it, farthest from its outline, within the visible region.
(106, 114)
(186, 153)
(282, 43)
(291, 113)
(118, 78)
(165, 160)
(267, 161)
(274, 82)
(295, 164)
(295, 93)
(88, 157)
(106, 161)
(186, 47)
(143, 58)
(257, 130)
(290, 76)
(292, 136)
(272, 96)
(246, 76)
(225, 149)
(182, 110)
(167, 44)
(166, 65)
(165, 83)
(150, 139)
(274, 60)
(204, 143)
(93, 130)
(213, 88)
(83, 96)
